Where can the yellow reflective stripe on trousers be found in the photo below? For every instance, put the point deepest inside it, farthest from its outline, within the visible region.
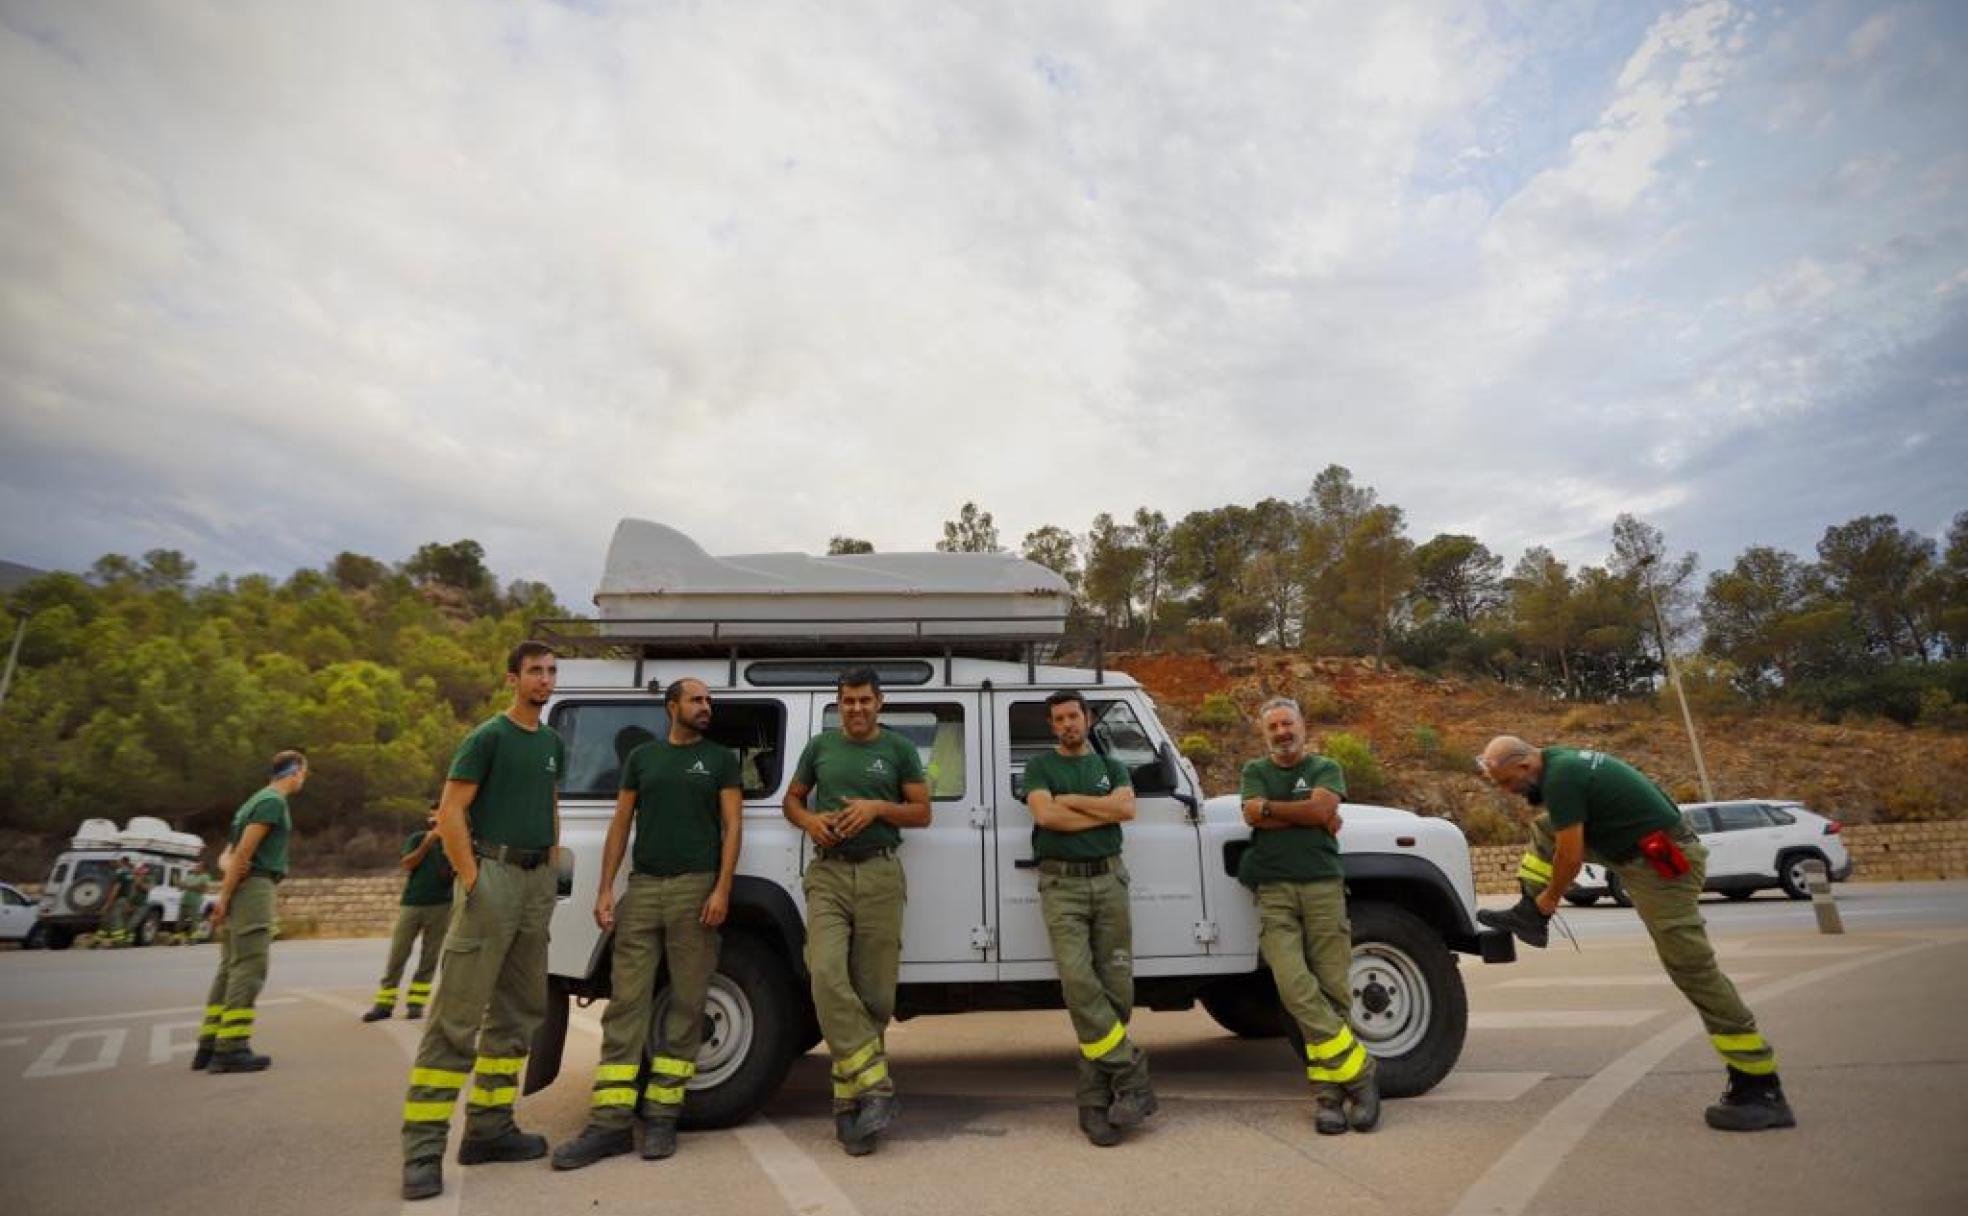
(1345, 1070)
(1106, 1043)
(615, 1097)
(670, 1066)
(234, 1032)
(857, 1059)
(615, 1072)
(499, 1066)
(1739, 1042)
(427, 1112)
(494, 1097)
(236, 1015)
(668, 1095)
(1533, 866)
(869, 1077)
(415, 986)
(1332, 1048)
(437, 1078)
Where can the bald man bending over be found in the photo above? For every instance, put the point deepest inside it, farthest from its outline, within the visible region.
(1600, 807)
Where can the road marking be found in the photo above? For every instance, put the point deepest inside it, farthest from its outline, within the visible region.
(1792, 951)
(14, 1042)
(1561, 1019)
(136, 1013)
(1657, 979)
(799, 1179)
(1515, 1178)
(53, 1061)
(161, 1046)
(1483, 1087)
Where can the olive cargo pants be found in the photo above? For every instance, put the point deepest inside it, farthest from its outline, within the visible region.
(1091, 929)
(657, 921)
(430, 922)
(244, 946)
(491, 999)
(1671, 911)
(854, 953)
(1307, 942)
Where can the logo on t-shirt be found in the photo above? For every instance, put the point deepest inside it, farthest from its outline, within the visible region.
(1299, 786)
(876, 765)
(553, 764)
(698, 768)
(1105, 783)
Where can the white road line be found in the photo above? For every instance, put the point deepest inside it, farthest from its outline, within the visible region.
(799, 1179)
(1515, 1178)
(14, 1042)
(1561, 1019)
(136, 1013)
(162, 1048)
(1656, 980)
(1462, 1086)
(1728, 952)
(54, 1061)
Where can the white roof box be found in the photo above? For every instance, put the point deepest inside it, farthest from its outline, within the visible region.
(658, 583)
(95, 834)
(156, 836)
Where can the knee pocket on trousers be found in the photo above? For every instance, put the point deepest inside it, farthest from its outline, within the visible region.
(463, 945)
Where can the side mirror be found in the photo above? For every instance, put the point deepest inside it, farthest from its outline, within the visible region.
(1161, 776)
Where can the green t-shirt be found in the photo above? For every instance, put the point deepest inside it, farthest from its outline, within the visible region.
(1614, 800)
(430, 883)
(1293, 854)
(516, 771)
(268, 806)
(678, 826)
(191, 894)
(837, 768)
(1092, 774)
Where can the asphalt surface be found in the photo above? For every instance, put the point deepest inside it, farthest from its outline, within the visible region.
(1580, 1090)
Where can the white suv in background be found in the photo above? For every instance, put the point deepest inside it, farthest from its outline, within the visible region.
(1752, 844)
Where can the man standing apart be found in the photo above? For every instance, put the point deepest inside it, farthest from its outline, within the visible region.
(865, 783)
(109, 927)
(1599, 806)
(255, 861)
(1291, 801)
(683, 796)
(1079, 799)
(191, 902)
(425, 911)
(499, 821)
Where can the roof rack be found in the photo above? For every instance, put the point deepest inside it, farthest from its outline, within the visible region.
(945, 637)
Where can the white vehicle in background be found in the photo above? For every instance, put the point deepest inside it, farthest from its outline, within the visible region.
(19, 918)
(1752, 845)
(78, 887)
(960, 643)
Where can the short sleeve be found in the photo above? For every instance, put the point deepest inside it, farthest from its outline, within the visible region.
(729, 775)
(473, 759)
(908, 761)
(1564, 796)
(267, 810)
(1327, 775)
(410, 843)
(632, 768)
(1251, 785)
(1118, 773)
(806, 772)
(1036, 778)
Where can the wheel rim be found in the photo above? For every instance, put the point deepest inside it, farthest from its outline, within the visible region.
(1391, 1001)
(728, 1030)
(1800, 874)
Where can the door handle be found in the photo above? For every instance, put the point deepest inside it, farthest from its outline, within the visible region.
(1026, 863)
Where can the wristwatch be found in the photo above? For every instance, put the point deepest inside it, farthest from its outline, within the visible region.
(1264, 808)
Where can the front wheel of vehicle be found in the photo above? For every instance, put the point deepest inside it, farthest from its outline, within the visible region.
(1793, 871)
(60, 939)
(1246, 1005)
(753, 1017)
(148, 928)
(36, 939)
(1409, 1006)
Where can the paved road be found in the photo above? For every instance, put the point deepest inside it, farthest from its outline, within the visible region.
(1580, 1090)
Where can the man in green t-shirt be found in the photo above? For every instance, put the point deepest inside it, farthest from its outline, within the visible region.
(136, 909)
(1291, 801)
(255, 861)
(1079, 799)
(499, 823)
(683, 797)
(423, 912)
(109, 927)
(1601, 808)
(191, 904)
(851, 791)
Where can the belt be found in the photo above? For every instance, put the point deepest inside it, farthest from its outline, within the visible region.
(525, 859)
(269, 875)
(1076, 869)
(853, 859)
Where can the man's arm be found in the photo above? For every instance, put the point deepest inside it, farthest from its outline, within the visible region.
(911, 812)
(1567, 856)
(731, 809)
(612, 851)
(242, 865)
(415, 857)
(1320, 810)
(454, 829)
(818, 828)
(1116, 806)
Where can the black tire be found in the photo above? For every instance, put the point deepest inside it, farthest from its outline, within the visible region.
(37, 938)
(60, 939)
(1617, 889)
(1738, 893)
(756, 1016)
(1790, 871)
(1403, 967)
(148, 928)
(1246, 1005)
(1581, 899)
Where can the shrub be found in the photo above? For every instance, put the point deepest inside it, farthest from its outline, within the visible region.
(1355, 757)
(1320, 704)
(1217, 712)
(1427, 739)
(1198, 748)
(1485, 823)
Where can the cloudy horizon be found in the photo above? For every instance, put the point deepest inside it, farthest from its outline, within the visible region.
(281, 281)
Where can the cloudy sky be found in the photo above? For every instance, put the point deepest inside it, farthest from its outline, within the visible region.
(278, 280)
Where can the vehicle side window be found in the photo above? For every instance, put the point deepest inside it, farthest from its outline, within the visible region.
(1780, 817)
(1117, 732)
(938, 733)
(1701, 820)
(599, 736)
(61, 872)
(11, 897)
(1739, 817)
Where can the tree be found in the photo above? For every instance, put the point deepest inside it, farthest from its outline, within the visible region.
(1876, 567)
(1152, 531)
(1114, 562)
(167, 569)
(1456, 576)
(1540, 589)
(1640, 553)
(840, 546)
(1376, 570)
(355, 572)
(1744, 614)
(972, 531)
(113, 568)
(1053, 547)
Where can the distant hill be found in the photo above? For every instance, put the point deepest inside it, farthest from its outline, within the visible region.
(13, 574)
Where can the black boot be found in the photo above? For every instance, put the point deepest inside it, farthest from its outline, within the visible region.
(1750, 1104)
(1522, 919)
(844, 1131)
(413, 1013)
(201, 1057)
(423, 1178)
(593, 1144)
(238, 1061)
(876, 1113)
(659, 1139)
(1363, 1105)
(514, 1145)
(380, 1013)
(1132, 1106)
(1329, 1111)
(1098, 1128)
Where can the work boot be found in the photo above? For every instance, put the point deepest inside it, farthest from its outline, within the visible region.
(1750, 1104)
(423, 1178)
(1329, 1111)
(1098, 1128)
(592, 1145)
(853, 1145)
(238, 1061)
(876, 1112)
(201, 1057)
(514, 1145)
(413, 1013)
(1132, 1106)
(659, 1139)
(1363, 1105)
(380, 1013)
(1523, 919)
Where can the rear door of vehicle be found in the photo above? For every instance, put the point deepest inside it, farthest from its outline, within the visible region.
(16, 914)
(1742, 842)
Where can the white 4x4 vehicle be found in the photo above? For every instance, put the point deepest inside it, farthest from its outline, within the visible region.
(1752, 846)
(970, 693)
(73, 898)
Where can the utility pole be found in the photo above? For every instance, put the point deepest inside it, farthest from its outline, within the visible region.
(13, 657)
(1674, 678)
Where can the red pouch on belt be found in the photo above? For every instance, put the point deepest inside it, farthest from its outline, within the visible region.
(1663, 854)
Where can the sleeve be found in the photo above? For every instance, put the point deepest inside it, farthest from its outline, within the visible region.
(807, 771)
(473, 759)
(908, 761)
(1118, 773)
(1327, 775)
(1564, 798)
(267, 810)
(730, 774)
(632, 768)
(1036, 777)
(410, 843)
(1251, 785)
(560, 757)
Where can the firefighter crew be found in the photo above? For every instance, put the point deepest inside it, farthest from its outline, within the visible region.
(136, 905)
(109, 930)
(191, 903)
(1598, 807)
(851, 791)
(1291, 802)
(499, 824)
(1079, 799)
(254, 863)
(424, 912)
(683, 797)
